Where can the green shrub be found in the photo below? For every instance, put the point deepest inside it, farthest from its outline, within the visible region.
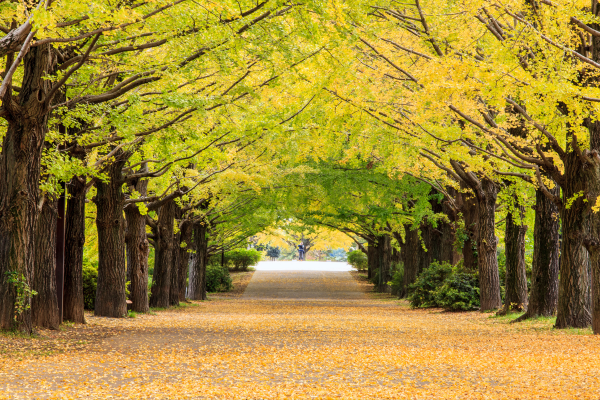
(241, 259)
(218, 279)
(422, 292)
(358, 260)
(90, 281)
(458, 292)
(397, 278)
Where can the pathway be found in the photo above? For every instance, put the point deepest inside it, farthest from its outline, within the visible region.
(307, 280)
(305, 335)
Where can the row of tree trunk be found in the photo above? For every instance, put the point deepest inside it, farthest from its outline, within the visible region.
(436, 241)
(123, 246)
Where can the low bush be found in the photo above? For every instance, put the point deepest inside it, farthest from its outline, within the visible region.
(397, 281)
(218, 279)
(90, 281)
(358, 260)
(238, 259)
(422, 292)
(458, 292)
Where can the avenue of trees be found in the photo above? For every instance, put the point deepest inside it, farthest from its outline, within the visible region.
(423, 131)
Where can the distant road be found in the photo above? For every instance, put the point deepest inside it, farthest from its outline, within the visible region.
(303, 266)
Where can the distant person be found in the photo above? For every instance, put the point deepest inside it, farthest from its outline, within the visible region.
(300, 252)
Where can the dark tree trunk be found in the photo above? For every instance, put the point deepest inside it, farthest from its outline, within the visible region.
(435, 245)
(544, 270)
(448, 232)
(174, 289)
(74, 241)
(372, 261)
(27, 117)
(137, 245)
(574, 302)
(109, 199)
(384, 255)
(515, 297)
(468, 207)
(163, 258)
(197, 283)
(187, 228)
(425, 247)
(44, 305)
(411, 250)
(489, 278)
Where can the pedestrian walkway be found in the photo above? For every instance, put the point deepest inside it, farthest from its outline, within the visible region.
(306, 280)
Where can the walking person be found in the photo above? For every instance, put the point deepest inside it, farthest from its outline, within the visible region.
(301, 252)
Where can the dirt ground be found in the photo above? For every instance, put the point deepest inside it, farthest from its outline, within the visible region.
(232, 347)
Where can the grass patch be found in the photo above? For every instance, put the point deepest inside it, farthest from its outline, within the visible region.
(131, 314)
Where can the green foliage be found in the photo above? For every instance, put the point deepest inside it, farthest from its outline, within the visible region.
(358, 260)
(422, 292)
(241, 259)
(273, 252)
(90, 281)
(460, 291)
(23, 293)
(218, 279)
(440, 285)
(397, 278)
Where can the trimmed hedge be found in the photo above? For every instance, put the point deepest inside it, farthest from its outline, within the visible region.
(442, 286)
(90, 281)
(357, 259)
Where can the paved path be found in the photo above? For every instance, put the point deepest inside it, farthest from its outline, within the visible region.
(283, 347)
(307, 280)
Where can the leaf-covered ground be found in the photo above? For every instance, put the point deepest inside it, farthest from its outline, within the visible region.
(270, 349)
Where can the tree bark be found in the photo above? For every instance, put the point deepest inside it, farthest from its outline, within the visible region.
(137, 245)
(197, 275)
(574, 302)
(410, 251)
(372, 261)
(515, 297)
(384, 254)
(163, 258)
(187, 230)
(543, 296)
(489, 278)
(109, 199)
(467, 204)
(27, 117)
(174, 289)
(44, 305)
(74, 241)
(448, 231)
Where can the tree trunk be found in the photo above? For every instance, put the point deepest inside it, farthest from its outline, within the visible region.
(469, 209)
(187, 228)
(27, 117)
(74, 241)
(110, 292)
(544, 270)
(448, 252)
(137, 245)
(163, 258)
(174, 289)
(384, 254)
(411, 250)
(515, 297)
(574, 303)
(425, 247)
(197, 285)
(489, 278)
(44, 305)
(372, 261)
(435, 246)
